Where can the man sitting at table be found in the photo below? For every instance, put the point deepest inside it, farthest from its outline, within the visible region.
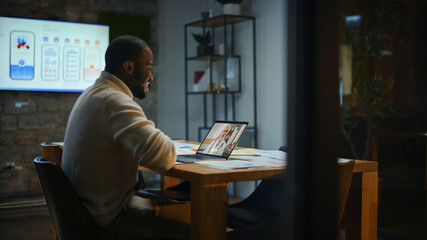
(108, 136)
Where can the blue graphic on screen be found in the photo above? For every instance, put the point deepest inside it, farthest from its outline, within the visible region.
(22, 55)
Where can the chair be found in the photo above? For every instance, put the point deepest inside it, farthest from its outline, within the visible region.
(71, 219)
(345, 174)
(52, 152)
(259, 214)
(180, 192)
(265, 203)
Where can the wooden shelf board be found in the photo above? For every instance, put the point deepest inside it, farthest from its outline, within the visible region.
(218, 21)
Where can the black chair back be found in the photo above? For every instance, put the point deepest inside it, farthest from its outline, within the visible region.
(71, 219)
(265, 203)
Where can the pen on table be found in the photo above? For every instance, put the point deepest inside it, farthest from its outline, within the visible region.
(245, 155)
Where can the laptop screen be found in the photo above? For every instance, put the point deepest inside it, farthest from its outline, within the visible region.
(222, 138)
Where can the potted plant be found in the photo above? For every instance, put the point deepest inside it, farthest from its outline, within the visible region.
(203, 40)
(364, 110)
(230, 7)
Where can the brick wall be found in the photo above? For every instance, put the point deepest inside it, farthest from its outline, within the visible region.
(29, 118)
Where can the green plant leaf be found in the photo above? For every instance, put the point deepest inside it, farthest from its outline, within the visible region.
(202, 39)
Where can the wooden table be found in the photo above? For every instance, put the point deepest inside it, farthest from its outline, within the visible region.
(209, 197)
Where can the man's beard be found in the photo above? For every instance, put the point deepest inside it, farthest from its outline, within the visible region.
(135, 85)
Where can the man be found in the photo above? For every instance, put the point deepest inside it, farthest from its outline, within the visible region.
(108, 136)
(218, 146)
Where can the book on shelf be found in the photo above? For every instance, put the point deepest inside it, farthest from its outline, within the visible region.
(201, 81)
(197, 75)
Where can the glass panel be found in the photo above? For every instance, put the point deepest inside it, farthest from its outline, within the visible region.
(383, 96)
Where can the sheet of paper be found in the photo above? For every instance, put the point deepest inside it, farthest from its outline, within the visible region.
(268, 157)
(184, 148)
(273, 154)
(234, 164)
(262, 161)
(246, 158)
(341, 160)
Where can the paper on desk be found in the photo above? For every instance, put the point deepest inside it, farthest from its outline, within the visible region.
(234, 164)
(268, 157)
(274, 154)
(184, 148)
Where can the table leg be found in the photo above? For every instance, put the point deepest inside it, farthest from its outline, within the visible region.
(362, 207)
(166, 182)
(208, 211)
(54, 236)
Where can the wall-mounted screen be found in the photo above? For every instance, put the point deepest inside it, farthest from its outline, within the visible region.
(42, 55)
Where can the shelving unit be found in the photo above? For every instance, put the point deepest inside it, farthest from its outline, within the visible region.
(223, 30)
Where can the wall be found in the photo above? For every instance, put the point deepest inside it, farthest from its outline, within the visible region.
(271, 67)
(43, 116)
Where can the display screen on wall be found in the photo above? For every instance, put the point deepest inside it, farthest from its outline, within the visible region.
(41, 55)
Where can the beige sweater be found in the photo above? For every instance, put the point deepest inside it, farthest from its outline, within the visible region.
(107, 137)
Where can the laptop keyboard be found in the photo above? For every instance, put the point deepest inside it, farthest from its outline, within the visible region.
(195, 157)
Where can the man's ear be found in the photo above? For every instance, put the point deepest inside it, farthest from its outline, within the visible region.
(129, 67)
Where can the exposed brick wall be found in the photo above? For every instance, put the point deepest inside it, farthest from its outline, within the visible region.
(29, 118)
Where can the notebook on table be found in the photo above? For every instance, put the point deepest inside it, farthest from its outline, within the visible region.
(218, 143)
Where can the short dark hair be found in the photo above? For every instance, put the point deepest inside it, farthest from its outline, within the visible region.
(121, 49)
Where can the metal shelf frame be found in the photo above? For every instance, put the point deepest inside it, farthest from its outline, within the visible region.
(221, 21)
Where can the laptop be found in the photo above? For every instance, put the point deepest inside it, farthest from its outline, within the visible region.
(218, 144)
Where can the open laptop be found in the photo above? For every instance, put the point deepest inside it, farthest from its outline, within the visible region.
(218, 144)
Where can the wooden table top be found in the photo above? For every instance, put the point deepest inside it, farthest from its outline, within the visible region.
(209, 175)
